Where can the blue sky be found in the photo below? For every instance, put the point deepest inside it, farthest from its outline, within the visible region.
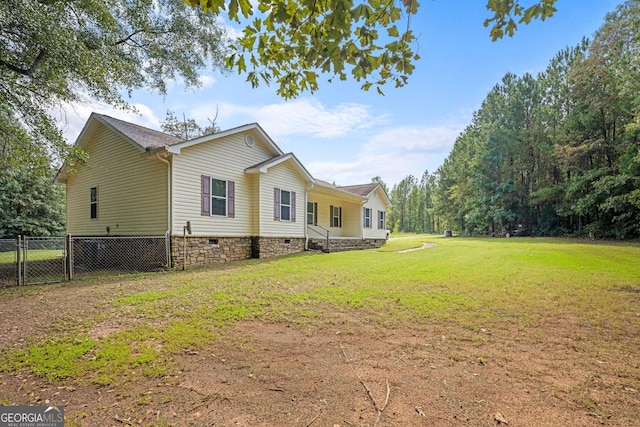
(344, 135)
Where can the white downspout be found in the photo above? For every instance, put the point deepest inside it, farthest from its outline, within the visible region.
(168, 191)
(306, 226)
(168, 200)
(362, 224)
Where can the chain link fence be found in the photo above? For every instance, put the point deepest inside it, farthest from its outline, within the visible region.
(44, 260)
(118, 254)
(38, 260)
(8, 262)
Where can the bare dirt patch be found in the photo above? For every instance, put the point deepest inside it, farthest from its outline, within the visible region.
(561, 372)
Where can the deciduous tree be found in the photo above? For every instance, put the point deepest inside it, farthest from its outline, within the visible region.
(291, 42)
(55, 52)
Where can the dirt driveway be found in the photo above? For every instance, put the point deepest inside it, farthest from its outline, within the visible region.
(345, 372)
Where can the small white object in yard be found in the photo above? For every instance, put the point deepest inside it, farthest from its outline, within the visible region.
(500, 418)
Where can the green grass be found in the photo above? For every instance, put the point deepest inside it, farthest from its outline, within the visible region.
(33, 255)
(44, 254)
(474, 283)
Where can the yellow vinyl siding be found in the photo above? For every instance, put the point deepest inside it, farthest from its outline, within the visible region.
(375, 203)
(132, 189)
(352, 220)
(351, 213)
(226, 159)
(254, 181)
(285, 177)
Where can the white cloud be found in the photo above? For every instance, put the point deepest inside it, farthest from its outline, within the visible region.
(308, 117)
(206, 81)
(414, 139)
(392, 154)
(300, 117)
(234, 31)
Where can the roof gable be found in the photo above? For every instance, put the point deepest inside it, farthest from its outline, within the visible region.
(367, 189)
(140, 135)
(144, 139)
(360, 189)
(363, 191)
(252, 128)
(264, 166)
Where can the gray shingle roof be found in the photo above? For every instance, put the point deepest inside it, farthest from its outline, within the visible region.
(147, 138)
(361, 189)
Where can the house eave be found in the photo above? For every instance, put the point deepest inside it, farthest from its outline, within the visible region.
(336, 192)
(255, 127)
(264, 167)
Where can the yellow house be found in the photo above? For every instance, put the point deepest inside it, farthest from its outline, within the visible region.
(227, 196)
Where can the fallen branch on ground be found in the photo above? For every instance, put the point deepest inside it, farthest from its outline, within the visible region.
(378, 409)
(315, 418)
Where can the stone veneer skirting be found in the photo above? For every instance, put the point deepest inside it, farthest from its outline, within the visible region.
(338, 245)
(267, 247)
(212, 250)
(202, 251)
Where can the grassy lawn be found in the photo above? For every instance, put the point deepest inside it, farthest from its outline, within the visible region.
(473, 284)
(33, 255)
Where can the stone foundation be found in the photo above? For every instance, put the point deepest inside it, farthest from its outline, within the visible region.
(208, 250)
(202, 251)
(213, 250)
(338, 245)
(267, 247)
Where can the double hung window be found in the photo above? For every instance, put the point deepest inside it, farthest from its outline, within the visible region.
(218, 197)
(367, 218)
(93, 204)
(335, 219)
(312, 213)
(284, 205)
(382, 225)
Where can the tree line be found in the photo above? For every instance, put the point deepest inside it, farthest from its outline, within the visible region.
(552, 154)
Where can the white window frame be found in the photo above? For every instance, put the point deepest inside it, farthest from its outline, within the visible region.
(285, 207)
(368, 212)
(225, 198)
(382, 217)
(93, 202)
(335, 217)
(313, 212)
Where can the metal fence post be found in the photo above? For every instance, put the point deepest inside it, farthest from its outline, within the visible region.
(25, 254)
(18, 262)
(69, 260)
(167, 244)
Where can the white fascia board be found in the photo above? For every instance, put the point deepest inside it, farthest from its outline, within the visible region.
(330, 190)
(176, 148)
(264, 168)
